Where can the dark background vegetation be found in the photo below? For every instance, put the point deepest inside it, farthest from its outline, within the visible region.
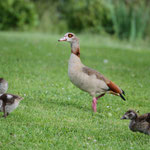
(126, 19)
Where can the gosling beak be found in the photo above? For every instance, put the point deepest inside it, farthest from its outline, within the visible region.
(124, 117)
(62, 39)
(20, 98)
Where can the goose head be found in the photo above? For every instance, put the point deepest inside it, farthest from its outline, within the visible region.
(69, 37)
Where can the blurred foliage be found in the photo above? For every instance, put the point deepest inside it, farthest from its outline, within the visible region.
(17, 14)
(130, 18)
(86, 15)
(127, 19)
(49, 16)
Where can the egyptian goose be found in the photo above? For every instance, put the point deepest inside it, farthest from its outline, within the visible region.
(3, 86)
(9, 102)
(85, 78)
(138, 123)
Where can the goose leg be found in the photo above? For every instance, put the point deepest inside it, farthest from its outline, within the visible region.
(5, 113)
(94, 103)
(100, 96)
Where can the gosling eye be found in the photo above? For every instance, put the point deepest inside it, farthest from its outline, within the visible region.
(70, 35)
(130, 115)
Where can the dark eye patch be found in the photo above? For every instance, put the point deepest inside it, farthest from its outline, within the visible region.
(70, 35)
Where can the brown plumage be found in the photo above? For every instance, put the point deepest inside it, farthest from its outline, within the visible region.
(88, 79)
(113, 88)
(138, 123)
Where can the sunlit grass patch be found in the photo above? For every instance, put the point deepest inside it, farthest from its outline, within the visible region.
(54, 113)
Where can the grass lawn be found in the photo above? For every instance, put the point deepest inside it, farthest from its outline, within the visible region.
(54, 113)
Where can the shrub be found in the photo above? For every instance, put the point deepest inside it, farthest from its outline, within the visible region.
(17, 14)
(127, 19)
(49, 17)
(130, 18)
(85, 15)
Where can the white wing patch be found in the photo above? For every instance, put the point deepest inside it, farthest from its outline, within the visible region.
(9, 96)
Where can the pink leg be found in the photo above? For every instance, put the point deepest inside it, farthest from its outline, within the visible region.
(95, 102)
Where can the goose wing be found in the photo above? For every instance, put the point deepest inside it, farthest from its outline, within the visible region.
(112, 86)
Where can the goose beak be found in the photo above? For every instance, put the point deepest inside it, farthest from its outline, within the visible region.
(62, 39)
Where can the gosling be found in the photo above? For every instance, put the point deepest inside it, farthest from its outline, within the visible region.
(8, 103)
(138, 123)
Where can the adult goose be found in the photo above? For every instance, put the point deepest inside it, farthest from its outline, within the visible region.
(85, 78)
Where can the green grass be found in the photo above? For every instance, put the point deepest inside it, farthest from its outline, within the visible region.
(54, 113)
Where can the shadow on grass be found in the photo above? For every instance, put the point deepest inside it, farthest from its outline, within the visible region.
(70, 105)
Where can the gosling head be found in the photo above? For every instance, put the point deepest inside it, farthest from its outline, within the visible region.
(130, 114)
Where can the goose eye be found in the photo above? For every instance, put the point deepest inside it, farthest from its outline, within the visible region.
(70, 35)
